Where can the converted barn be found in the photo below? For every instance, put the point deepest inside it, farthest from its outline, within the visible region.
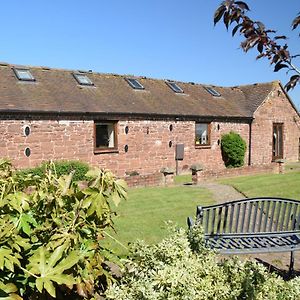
(132, 125)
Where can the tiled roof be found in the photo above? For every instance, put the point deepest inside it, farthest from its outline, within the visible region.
(57, 91)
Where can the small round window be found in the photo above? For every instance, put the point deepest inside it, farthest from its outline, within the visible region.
(27, 130)
(27, 152)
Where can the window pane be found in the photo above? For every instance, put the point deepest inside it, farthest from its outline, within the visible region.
(201, 134)
(174, 87)
(105, 137)
(134, 83)
(23, 74)
(83, 79)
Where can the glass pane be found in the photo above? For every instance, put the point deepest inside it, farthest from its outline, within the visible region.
(24, 74)
(212, 91)
(201, 137)
(105, 137)
(83, 79)
(175, 87)
(134, 83)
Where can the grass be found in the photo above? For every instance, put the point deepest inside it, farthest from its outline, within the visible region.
(279, 185)
(181, 179)
(144, 215)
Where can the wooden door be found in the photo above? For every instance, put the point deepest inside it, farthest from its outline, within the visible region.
(277, 148)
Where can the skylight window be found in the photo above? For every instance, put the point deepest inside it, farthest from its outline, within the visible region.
(23, 74)
(82, 79)
(212, 91)
(134, 83)
(174, 86)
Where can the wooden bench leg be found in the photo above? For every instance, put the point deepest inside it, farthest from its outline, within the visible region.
(292, 261)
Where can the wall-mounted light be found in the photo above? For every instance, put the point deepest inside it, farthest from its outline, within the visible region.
(170, 144)
(218, 126)
(126, 129)
(171, 127)
(126, 148)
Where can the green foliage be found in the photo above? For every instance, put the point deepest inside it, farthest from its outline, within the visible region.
(233, 149)
(172, 270)
(51, 234)
(62, 167)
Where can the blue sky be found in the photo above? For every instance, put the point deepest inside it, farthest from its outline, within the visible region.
(171, 39)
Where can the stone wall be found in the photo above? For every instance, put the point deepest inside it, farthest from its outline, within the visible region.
(151, 144)
(275, 109)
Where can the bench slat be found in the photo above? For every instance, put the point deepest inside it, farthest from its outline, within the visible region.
(266, 216)
(232, 206)
(283, 216)
(277, 219)
(249, 215)
(255, 216)
(237, 216)
(272, 215)
(243, 216)
(261, 206)
(288, 216)
(225, 219)
(219, 219)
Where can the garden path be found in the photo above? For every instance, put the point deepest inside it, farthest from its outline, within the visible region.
(275, 261)
(222, 193)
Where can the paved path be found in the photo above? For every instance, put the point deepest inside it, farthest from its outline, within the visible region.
(280, 261)
(222, 193)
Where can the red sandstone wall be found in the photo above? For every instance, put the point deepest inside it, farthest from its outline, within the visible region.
(147, 152)
(276, 109)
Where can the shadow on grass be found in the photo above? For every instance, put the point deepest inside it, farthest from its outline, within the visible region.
(285, 274)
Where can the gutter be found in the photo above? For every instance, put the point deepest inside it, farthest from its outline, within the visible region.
(117, 115)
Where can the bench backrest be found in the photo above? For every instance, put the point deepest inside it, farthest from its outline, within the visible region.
(250, 215)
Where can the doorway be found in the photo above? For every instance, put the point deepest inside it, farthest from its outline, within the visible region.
(277, 147)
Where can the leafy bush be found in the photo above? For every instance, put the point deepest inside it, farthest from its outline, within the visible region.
(171, 269)
(61, 167)
(233, 149)
(51, 234)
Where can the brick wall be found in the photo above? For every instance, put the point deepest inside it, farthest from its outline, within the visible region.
(276, 109)
(148, 144)
(148, 141)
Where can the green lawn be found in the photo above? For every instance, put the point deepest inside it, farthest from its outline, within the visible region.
(276, 185)
(144, 215)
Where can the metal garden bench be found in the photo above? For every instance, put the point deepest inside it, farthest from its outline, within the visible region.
(254, 225)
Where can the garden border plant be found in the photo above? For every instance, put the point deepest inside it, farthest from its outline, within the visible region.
(51, 234)
(181, 268)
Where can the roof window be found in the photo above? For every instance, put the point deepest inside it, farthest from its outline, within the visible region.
(134, 83)
(212, 91)
(174, 86)
(82, 79)
(23, 74)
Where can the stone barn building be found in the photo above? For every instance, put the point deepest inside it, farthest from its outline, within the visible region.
(132, 125)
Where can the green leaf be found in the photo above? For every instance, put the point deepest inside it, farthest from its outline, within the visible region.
(50, 268)
(25, 222)
(8, 259)
(10, 290)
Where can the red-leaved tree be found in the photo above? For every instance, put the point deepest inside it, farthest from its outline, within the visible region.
(268, 44)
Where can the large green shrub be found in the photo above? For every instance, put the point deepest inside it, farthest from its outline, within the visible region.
(61, 167)
(51, 234)
(233, 149)
(181, 268)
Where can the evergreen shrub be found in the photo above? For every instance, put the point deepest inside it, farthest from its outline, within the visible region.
(233, 149)
(61, 167)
